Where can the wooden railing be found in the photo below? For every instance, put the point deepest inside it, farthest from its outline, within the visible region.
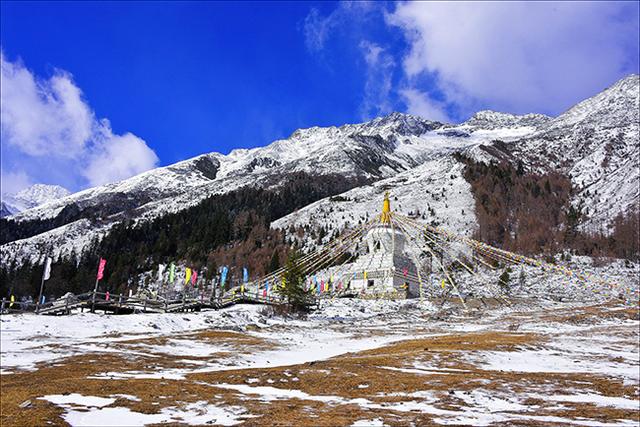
(102, 301)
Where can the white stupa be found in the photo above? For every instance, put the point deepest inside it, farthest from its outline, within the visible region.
(385, 268)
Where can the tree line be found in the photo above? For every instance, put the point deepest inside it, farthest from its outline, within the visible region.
(532, 213)
(228, 229)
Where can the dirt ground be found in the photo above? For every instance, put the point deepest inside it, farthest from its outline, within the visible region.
(424, 381)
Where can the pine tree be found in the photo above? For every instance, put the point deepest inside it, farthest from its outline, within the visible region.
(504, 280)
(293, 290)
(274, 263)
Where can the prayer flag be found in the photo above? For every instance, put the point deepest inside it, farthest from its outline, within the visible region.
(194, 277)
(103, 262)
(13, 299)
(442, 284)
(47, 269)
(161, 268)
(245, 275)
(187, 276)
(223, 276)
(172, 272)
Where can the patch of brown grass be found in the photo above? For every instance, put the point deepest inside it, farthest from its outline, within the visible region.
(339, 376)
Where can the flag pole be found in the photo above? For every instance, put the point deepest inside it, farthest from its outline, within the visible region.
(95, 288)
(41, 287)
(46, 272)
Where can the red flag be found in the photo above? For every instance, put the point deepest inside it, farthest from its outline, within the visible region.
(194, 276)
(101, 268)
(405, 271)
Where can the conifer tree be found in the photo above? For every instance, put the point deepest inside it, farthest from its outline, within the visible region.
(293, 288)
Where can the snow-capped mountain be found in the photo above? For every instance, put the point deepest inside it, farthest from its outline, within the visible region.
(36, 195)
(596, 142)
(487, 119)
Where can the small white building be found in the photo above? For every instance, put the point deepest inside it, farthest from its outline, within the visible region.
(385, 267)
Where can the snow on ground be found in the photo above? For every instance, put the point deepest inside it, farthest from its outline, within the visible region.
(90, 411)
(601, 346)
(28, 339)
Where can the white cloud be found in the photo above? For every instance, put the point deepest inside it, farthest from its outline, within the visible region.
(346, 16)
(420, 104)
(41, 117)
(378, 83)
(47, 122)
(119, 157)
(12, 182)
(518, 56)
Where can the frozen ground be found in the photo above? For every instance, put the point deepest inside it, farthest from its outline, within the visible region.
(353, 362)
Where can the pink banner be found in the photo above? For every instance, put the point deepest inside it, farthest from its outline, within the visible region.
(194, 276)
(103, 262)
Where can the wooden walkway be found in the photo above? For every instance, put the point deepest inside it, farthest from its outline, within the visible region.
(120, 304)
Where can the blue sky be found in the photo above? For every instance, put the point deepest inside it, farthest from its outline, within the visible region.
(174, 80)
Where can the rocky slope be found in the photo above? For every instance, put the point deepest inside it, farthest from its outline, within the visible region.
(597, 144)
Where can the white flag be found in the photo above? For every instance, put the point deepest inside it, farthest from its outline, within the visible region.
(161, 268)
(47, 269)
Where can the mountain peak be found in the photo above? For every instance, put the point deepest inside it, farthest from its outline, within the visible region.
(489, 119)
(30, 197)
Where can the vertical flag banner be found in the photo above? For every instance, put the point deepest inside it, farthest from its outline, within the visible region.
(187, 276)
(223, 275)
(47, 269)
(161, 268)
(42, 300)
(266, 286)
(442, 284)
(13, 299)
(194, 277)
(103, 262)
(245, 275)
(172, 272)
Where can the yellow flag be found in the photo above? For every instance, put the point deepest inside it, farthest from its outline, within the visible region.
(442, 284)
(365, 275)
(187, 276)
(13, 299)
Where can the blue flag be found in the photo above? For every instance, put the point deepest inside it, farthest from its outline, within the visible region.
(245, 275)
(223, 276)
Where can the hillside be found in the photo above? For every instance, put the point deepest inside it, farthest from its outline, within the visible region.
(591, 149)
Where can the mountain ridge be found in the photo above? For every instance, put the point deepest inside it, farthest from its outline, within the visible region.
(379, 150)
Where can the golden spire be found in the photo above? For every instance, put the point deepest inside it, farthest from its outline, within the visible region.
(385, 216)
